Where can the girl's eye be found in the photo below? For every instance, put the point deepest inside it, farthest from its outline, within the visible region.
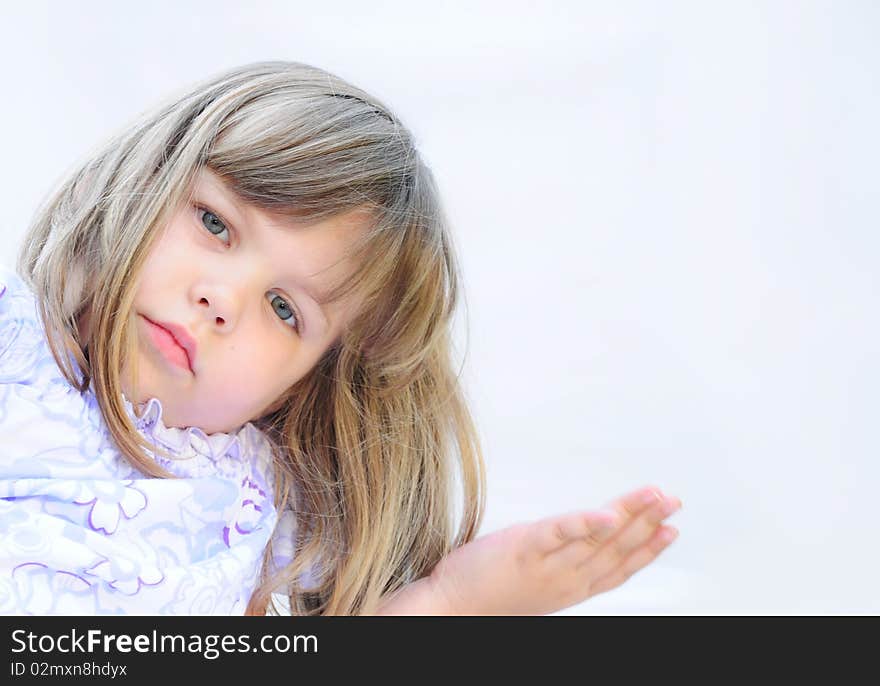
(283, 310)
(214, 224)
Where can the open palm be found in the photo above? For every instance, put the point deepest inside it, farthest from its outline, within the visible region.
(542, 567)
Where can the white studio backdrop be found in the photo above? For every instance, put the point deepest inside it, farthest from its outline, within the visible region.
(663, 213)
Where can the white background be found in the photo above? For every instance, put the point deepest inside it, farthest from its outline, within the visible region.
(663, 213)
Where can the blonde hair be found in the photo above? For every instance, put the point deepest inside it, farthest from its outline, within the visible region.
(368, 442)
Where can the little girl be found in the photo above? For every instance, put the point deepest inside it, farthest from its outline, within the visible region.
(225, 374)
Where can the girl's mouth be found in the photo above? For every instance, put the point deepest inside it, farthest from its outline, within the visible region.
(167, 344)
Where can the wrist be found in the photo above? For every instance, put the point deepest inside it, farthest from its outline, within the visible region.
(421, 597)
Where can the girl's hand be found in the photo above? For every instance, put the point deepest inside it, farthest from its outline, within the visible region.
(551, 564)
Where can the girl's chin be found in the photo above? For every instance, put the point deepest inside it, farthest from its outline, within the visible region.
(171, 418)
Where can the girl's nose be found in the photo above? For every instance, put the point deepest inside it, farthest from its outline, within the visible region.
(219, 306)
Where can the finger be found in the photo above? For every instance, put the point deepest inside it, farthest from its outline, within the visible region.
(634, 503)
(640, 529)
(636, 534)
(570, 529)
(638, 560)
(591, 527)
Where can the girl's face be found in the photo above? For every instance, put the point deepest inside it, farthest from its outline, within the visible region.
(243, 286)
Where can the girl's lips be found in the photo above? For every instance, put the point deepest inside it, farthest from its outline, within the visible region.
(167, 338)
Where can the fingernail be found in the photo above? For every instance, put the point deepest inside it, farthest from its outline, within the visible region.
(651, 496)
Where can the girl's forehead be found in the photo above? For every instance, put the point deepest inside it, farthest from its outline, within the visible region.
(208, 181)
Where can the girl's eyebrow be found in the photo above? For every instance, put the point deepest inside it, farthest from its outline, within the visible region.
(320, 297)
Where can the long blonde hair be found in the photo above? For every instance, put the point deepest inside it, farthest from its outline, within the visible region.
(370, 443)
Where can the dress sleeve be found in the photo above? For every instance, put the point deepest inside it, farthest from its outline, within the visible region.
(20, 329)
(282, 547)
(10, 322)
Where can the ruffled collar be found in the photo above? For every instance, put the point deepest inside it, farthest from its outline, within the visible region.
(147, 418)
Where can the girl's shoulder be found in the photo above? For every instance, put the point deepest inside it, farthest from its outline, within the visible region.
(21, 329)
(16, 298)
(12, 287)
